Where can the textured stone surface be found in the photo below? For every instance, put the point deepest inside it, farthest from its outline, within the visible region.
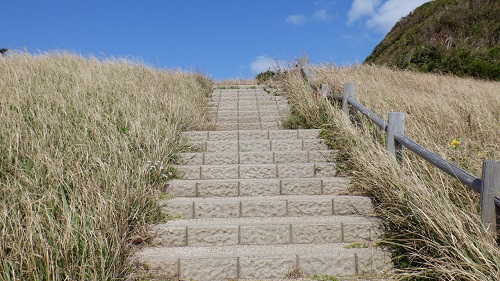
(256, 157)
(192, 158)
(217, 210)
(255, 145)
(325, 170)
(219, 172)
(286, 145)
(209, 268)
(296, 171)
(254, 135)
(352, 205)
(213, 235)
(217, 188)
(315, 144)
(259, 187)
(265, 234)
(317, 233)
(189, 172)
(175, 236)
(222, 146)
(182, 209)
(283, 134)
(266, 267)
(322, 156)
(301, 187)
(291, 156)
(308, 134)
(269, 208)
(263, 171)
(220, 158)
(340, 264)
(222, 135)
(335, 186)
(319, 207)
(182, 188)
(356, 232)
(373, 261)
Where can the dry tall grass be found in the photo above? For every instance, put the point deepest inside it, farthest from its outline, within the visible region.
(432, 219)
(82, 143)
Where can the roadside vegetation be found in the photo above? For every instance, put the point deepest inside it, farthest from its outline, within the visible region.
(432, 221)
(85, 148)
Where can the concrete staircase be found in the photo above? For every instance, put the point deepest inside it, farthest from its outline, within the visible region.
(259, 202)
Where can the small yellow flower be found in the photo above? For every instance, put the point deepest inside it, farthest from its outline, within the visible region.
(454, 143)
(479, 154)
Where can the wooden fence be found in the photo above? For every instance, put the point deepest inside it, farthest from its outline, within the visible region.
(488, 186)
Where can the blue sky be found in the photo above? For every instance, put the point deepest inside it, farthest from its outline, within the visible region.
(222, 38)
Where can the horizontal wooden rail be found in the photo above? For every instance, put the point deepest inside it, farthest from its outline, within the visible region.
(446, 166)
(368, 113)
(488, 186)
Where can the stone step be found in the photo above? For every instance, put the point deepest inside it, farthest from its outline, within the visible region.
(263, 261)
(255, 113)
(243, 95)
(251, 135)
(263, 119)
(267, 206)
(277, 109)
(266, 157)
(233, 103)
(248, 126)
(259, 145)
(264, 231)
(255, 187)
(257, 171)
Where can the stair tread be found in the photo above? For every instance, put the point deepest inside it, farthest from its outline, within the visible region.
(327, 249)
(264, 198)
(262, 221)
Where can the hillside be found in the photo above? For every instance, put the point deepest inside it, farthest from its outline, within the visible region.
(460, 37)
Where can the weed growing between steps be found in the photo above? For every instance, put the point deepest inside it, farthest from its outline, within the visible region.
(76, 135)
(433, 221)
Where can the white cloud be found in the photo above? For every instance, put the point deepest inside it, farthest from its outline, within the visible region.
(261, 64)
(391, 11)
(381, 16)
(361, 8)
(295, 19)
(321, 15)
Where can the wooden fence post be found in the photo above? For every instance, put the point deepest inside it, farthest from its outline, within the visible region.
(349, 91)
(490, 189)
(325, 90)
(395, 124)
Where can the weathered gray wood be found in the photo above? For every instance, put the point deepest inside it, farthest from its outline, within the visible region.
(368, 113)
(451, 169)
(325, 90)
(349, 91)
(490, 190)
(309, 74)
(396, 124)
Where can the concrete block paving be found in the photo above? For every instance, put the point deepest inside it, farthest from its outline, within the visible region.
(258, 202)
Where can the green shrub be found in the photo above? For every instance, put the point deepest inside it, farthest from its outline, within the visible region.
(264, 76)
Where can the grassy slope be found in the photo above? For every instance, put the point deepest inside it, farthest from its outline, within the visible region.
(84, 146)
(461, 37)
(432, 218)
